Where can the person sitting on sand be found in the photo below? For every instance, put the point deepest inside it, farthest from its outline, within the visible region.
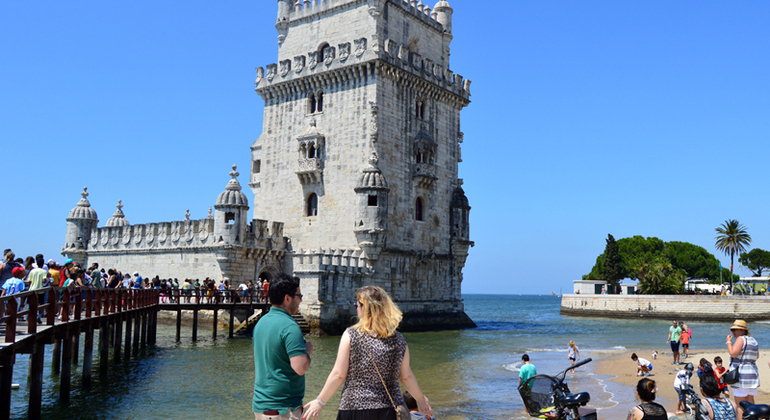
(643, 366)
(719, 408)
(647, 410)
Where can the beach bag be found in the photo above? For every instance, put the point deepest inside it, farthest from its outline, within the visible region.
(402, 413)
(732, 377)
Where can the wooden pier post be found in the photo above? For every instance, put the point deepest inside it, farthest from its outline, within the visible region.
(104, 347)
(6, 380)
(216, 314)
(137, 333)
(65, 378)
(56, 360)
(153, 327)
(127, 347)
(178, 324)
(75, 346)
(195, 324)
(143, 342)
(36, 380)
(88, 356)
(232, 314)
(118, 335)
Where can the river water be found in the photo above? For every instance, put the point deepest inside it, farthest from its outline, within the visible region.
(467, 374)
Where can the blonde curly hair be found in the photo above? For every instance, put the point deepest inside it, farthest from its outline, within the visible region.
(379, 315)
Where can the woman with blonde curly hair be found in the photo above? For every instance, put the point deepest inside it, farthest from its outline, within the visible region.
(371, 360)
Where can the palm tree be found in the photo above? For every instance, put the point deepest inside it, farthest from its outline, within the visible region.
(732, 239)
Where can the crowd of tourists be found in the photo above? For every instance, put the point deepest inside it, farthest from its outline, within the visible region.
(18, 275)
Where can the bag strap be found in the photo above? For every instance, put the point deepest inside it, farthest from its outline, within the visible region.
(378, 370)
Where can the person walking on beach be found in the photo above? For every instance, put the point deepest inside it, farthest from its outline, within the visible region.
(648, 409)
(281, 355)
(643, 366)
(685, 338)
(527, 370)
(574, 354)
(674, 336)
(743, 356)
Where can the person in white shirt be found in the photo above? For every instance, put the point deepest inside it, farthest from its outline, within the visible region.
(643, 366)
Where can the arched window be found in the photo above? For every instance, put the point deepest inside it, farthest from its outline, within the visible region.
(319, 101)
(419, 157)
(311, 102)
(312, 205)
(311, 151)
(418, 209)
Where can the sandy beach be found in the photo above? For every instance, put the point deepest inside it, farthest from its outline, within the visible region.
(622, 370)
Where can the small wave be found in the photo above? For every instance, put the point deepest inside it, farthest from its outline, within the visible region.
(513, 367)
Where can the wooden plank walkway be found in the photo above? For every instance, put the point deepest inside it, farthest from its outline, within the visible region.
(118, 314)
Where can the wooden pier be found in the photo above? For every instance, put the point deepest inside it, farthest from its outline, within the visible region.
(126, 320)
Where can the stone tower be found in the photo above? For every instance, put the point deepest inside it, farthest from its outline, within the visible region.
(81, 222)
(230, 213)
(359, 157)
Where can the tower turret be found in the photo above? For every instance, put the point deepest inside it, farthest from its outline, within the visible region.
(230, 213)
(372, 214)
(118, 219)
(80, 222)
(282, 24)
(444, 15)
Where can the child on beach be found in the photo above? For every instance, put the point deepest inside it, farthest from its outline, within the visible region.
(643, 366)
(719, 372)
(682, 378)
(685, 336)
(414, 412)
(574, 354)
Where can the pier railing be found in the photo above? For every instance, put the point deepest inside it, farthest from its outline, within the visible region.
(55, 315)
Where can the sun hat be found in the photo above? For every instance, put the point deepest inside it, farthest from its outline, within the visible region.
(739, 324)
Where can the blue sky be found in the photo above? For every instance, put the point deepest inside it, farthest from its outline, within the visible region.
(587, 118)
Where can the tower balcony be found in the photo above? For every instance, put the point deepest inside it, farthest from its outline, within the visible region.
(310, 170)
(424, 174)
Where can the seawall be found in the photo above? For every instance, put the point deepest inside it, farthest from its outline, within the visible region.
(701, 307)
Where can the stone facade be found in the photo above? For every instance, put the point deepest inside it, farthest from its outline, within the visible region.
(357, 161)
(720, 308)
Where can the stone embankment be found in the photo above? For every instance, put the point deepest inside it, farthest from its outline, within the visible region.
(702, 307)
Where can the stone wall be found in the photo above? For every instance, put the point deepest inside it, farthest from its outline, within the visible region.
(695, 307)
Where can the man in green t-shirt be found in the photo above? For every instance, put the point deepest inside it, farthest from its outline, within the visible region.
(527, 370)
(674, 335)
(281, 355)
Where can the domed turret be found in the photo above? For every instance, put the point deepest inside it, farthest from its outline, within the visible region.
(230, 213)
(118, 219)
(372, 216)
(459, 216)
(81, 221)
(444, 15)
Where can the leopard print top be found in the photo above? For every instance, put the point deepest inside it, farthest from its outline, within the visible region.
(363, 388)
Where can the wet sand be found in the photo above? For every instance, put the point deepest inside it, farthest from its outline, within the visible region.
(622, 371)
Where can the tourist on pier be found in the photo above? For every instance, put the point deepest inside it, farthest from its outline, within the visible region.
(14, 284)
(743, 356)
(137, 281)
(7, 266)
(718, 408)
(371, 360)
(281, 355)
(648, 409)
(674, 337)
(127, 281)
(643, 366)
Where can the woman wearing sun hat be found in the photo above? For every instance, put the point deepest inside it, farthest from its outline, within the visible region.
(743, 356)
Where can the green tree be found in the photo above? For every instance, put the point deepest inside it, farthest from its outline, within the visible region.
(611, 268)
(657, 275)
(732, 239)
(693, 259)
(757, 260)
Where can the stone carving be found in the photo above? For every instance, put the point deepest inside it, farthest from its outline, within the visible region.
(403, 53)
(150, 234)
(187, 215)
(391, 48)
(427, 66)
(210, 215)
(126, 235)
(175, 235)
(189, 235)
(344, 51)
(360, 46)
(114, 239)
(260, 75)
(163, 235)
(374, 130)
(137, 235)
(313, 59)
(375, 8)
(271, 70)
(329, 54)
(416, 60)
(285, 67)
(203, 234)
(95, 238)
(105, 238)
(299, 63)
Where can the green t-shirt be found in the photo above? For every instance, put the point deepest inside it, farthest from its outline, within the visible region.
(277, 338)
(527, 371)
(675, 332)
(96, 278)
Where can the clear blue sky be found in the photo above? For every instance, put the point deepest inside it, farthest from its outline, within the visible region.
(587, 118)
